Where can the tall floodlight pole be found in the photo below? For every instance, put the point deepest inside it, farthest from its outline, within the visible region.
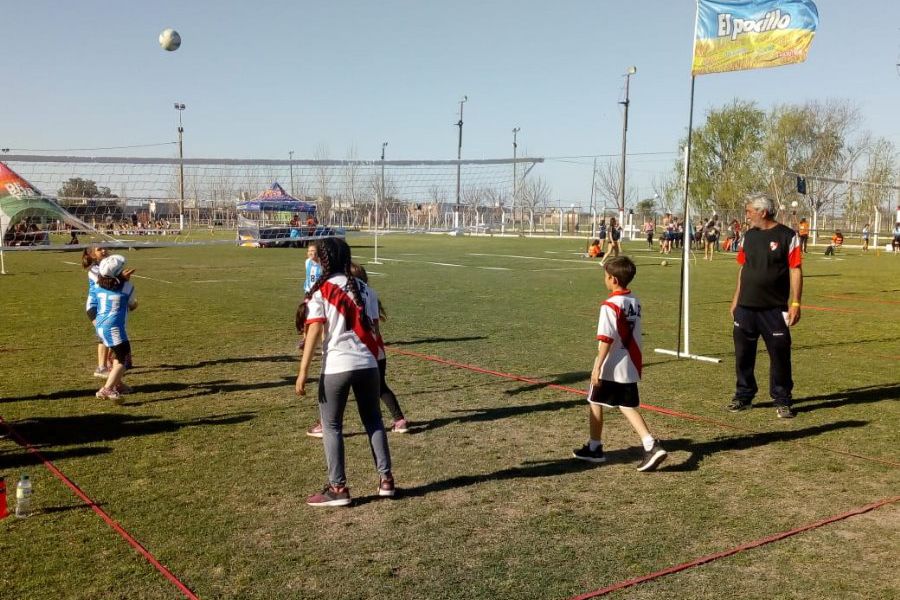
(515, 132)
(459, 158)
(180, 108)
(377, 196)
(631, 71)
(291, 156)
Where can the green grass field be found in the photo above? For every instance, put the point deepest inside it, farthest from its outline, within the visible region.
(208, 466)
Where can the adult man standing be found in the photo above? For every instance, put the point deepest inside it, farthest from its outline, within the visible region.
(766, 303)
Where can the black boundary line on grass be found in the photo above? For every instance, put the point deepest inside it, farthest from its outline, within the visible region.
(102, 513)
(726, 553)
(650, 407)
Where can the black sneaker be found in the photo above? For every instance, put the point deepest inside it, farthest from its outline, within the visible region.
(653, 457)
(737, 405)
(585, 453)
(785, 412)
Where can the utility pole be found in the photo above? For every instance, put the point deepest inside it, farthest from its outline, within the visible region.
(631, 71)
(291, 156)
(459, 158)
(515, 132)
(180, 108)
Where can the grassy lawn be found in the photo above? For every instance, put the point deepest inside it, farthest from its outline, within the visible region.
(208, 464)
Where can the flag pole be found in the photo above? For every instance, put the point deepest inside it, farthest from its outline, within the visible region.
(684, 295)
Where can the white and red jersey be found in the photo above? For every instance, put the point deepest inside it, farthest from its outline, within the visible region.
(348, 345)
(374, 315)
(620, 326)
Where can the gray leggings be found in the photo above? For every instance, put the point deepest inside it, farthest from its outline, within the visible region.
(334, 390)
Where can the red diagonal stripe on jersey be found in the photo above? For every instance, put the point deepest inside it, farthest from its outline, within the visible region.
(627, 336)
(352, 314)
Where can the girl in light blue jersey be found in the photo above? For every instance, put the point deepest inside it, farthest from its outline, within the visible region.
(108, 306)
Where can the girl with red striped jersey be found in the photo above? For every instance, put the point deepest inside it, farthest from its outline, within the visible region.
(335, 312)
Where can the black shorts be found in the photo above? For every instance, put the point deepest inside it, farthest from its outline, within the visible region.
(612, 394)
(122, 351)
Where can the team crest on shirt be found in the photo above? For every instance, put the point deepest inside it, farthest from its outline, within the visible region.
(773, 246)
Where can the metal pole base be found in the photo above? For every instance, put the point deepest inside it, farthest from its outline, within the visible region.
(691, 356)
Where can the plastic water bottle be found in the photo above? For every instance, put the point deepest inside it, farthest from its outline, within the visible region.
(23, 497)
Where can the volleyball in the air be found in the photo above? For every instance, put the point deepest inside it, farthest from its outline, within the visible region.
(169, 40)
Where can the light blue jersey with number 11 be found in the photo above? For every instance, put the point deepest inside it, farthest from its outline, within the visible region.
(112, 312)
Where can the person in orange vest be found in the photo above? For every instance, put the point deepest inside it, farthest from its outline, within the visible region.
(837, 240)
(594, 251)
(803, 233)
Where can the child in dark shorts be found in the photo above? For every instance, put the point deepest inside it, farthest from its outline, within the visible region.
(617, 368)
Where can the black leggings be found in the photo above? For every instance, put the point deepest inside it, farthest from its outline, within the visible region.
(387, 396)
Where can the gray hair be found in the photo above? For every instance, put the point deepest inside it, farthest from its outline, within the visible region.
(761, 201)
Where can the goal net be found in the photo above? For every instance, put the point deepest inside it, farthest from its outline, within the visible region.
(210, 200)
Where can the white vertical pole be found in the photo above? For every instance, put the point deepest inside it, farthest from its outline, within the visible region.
(685, 272)
(877, 222)
(2, 262)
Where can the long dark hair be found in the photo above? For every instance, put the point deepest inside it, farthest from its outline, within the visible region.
(333, 254)
(359, 271)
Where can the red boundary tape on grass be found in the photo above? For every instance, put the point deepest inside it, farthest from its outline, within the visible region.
(748, 546)
(704, 559)
(103, 515)
(650, 407)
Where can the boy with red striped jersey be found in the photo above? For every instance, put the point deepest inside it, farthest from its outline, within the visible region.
(617, 368)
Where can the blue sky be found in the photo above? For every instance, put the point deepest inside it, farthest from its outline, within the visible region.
(260, 79)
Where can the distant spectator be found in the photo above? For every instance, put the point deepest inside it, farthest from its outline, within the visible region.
(837, 240)
(803, 233)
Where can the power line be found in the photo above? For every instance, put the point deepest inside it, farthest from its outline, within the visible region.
(87, 149)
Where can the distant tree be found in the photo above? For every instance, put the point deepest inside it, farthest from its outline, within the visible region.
(608, 184)
(645, 208)
(534, 194)
(816, 139)
(881, 171)
(726, 157)
(668, 188)
(76, 187)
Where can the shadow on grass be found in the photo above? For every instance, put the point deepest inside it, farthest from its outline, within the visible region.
(47, 432)
(437, 340)
(478, 415)
(844, 343)
(558, 379)
(528, 470)
(19, 457)
(219, 386)
(224, 361)
(700, 450)
(864, 395)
